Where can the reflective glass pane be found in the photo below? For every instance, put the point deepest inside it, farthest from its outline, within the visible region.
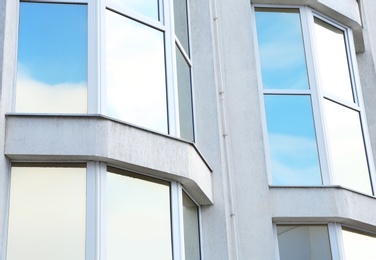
(304, 242)
(185, 97)
(282, 57)
(52, 58)
(358, 246)
(346, 147)
(146, 7)
(181, 23)
(332, 60)
(136, 84)
(138, 219)
(47, 213)
(292, 140)
(191, 229)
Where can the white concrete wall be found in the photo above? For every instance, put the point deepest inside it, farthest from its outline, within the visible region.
(8, 34)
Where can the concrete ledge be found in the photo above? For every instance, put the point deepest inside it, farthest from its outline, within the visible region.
(323, 204)
(346, 12)
(97, 138)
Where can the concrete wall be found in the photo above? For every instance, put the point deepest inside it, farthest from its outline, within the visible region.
(8, 36)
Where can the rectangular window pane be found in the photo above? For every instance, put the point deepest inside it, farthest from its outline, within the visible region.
(358, 246)
(346, 146)
(146, 7)
(185, 96)
(52, 58)
(47, 213)
(191, 229)
(332, 60)
(282, 57)
(136, 78)
(303, 242)
(138, 218)
(292, 140)
(181, 23)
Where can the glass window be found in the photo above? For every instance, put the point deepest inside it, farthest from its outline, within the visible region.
(345, 137)
(332, 60)
(297, 242)
(358, 245)
(181, 23)
(313, 119)
(47, 213)
(185, 96)
(146, 7)
(191, 229)
(292, 140)
(281, 48)
(136, 78)
(52, 58)
(138, 217)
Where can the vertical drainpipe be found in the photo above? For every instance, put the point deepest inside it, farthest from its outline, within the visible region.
(226, 158)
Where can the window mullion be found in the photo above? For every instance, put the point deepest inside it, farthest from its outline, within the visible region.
(92, 211)
(336, 242)
(316, 96)
(93, 69)
(276, 246)
(177, 221)
(101, 211)
(171, 78)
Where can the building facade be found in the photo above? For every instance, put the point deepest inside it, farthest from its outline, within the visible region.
(187, 129)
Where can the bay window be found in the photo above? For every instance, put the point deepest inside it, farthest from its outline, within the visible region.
(129, 60)
(87, 211)
(316, 129)
(323, 242)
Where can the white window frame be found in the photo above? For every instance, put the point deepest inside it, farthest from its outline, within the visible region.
(316, 94)
(95, 228)
(334, 233)
(96, 52)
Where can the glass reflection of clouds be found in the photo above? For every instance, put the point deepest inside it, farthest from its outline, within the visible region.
(136, 84)
(146, 7)
(47, 213)
(52, 58)
(332, 60)
(138, 219)
(358, 246)
(346, 147)
(281, 49)
(292, 140)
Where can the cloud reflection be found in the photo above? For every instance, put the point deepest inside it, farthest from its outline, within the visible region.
(294, 160)
(34, 96)
(136, 84)
(281, 47)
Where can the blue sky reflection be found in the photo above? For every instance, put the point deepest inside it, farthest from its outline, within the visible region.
(281, 48)
(52, 58)
(292, 140)
(146, 7)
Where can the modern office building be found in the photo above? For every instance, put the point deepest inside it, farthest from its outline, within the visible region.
(187, 129)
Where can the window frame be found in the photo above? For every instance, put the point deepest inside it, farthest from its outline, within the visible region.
(317, 94)
(96, 55)
(334, 232)
(95, 215)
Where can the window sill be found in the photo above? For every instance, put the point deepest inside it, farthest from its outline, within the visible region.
(42, 137)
